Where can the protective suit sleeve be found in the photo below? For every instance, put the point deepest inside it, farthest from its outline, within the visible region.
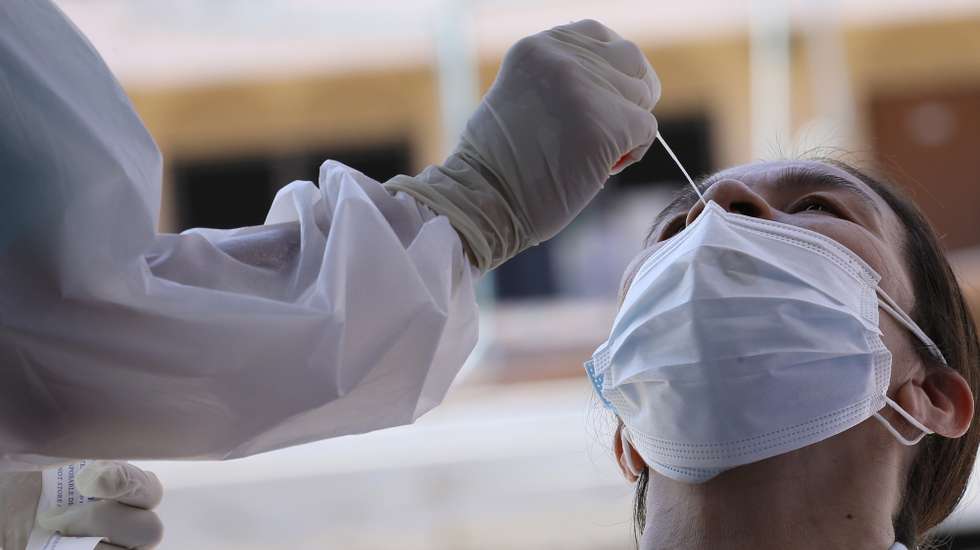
(350, 310)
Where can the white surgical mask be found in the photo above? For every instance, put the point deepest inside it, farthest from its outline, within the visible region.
(741, 339)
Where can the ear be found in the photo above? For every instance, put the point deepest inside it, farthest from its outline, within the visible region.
(941, 400)
(630, 462)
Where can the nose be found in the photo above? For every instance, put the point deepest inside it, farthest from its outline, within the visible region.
(736, 197)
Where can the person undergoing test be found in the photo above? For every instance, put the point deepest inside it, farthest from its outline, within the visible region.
(351, 309)
(792, 366)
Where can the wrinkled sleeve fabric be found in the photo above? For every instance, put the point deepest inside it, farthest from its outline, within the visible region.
(349, 310)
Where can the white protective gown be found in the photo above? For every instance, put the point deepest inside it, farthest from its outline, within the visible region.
(348, 311)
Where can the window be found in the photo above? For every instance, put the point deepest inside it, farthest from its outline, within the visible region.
(237, 192)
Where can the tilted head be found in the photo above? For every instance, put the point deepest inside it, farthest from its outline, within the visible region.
(887, 233)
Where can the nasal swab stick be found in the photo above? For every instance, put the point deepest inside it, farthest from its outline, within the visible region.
(681, 166)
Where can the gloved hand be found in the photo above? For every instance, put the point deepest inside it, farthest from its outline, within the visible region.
(570, 106)
(122, 515)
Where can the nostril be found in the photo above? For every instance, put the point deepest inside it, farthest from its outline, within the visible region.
(745, 208)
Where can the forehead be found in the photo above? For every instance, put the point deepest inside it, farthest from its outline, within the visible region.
(771, 173)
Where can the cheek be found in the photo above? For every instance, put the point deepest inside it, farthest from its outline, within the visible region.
(857, 239)
(899, 342)
(884, 257)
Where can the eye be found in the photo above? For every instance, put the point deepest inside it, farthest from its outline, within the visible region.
(815, 205)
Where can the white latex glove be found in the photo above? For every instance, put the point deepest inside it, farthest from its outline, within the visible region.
(570, 106)
(123, 515)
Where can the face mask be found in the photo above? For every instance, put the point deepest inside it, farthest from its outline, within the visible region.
(741, 339)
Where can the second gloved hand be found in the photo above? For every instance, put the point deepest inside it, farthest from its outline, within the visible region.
(570, 106)
(123, 514)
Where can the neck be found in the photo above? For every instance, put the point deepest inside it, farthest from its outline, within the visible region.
(816, 497)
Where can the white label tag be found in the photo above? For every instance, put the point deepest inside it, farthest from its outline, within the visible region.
(46, 540)
(58, 490)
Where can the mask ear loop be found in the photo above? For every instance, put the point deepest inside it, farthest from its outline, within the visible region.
(886, 303)
(911, 419)
(896, 312)
(681, 166)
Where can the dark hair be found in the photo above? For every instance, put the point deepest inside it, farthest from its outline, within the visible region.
(939, 474)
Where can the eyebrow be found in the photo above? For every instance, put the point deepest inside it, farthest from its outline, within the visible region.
(795, 176)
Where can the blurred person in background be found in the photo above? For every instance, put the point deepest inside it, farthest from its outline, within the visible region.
(760, 332)
(351, 309)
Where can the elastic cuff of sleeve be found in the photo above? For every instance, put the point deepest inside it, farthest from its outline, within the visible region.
(489, 230)
(474, 244)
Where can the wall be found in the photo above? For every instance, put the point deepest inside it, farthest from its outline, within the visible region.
(709, 76)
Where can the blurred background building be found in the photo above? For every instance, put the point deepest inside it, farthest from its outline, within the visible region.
(244, 97)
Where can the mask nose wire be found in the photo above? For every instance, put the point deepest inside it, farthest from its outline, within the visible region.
(681, 166)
